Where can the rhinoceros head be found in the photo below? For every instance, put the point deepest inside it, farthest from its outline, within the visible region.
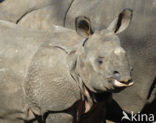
(102, 63)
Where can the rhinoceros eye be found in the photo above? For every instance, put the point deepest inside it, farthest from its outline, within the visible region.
(100, 61)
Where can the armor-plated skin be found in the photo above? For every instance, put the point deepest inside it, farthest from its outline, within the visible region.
(17, 47)
(139, 41)
(86, 66)
(56, 73)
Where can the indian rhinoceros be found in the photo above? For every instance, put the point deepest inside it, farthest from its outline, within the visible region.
(139, 44)
(68, 69)
(56, 74)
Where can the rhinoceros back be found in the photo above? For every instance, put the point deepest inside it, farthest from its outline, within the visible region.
(17, 47)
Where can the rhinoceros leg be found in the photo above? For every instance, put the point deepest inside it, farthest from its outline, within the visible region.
(59, 118)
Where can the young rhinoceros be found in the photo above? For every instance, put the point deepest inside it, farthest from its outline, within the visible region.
(67, 70)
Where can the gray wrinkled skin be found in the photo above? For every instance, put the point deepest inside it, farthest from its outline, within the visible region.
(49, 76)
(52, 71)
(139, 41)
(17, 47)
(44, 18)
(15, 10)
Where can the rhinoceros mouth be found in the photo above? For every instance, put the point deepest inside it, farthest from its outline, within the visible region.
(118, 83)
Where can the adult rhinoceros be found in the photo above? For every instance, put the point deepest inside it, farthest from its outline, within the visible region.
(56, 75)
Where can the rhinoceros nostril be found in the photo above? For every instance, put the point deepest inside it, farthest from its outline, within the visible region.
(115, 72)
(116, 75)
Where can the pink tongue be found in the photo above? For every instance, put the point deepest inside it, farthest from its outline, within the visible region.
(119, 84)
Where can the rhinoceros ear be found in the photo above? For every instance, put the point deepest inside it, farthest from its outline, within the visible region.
(83, 26)
(123, 20)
